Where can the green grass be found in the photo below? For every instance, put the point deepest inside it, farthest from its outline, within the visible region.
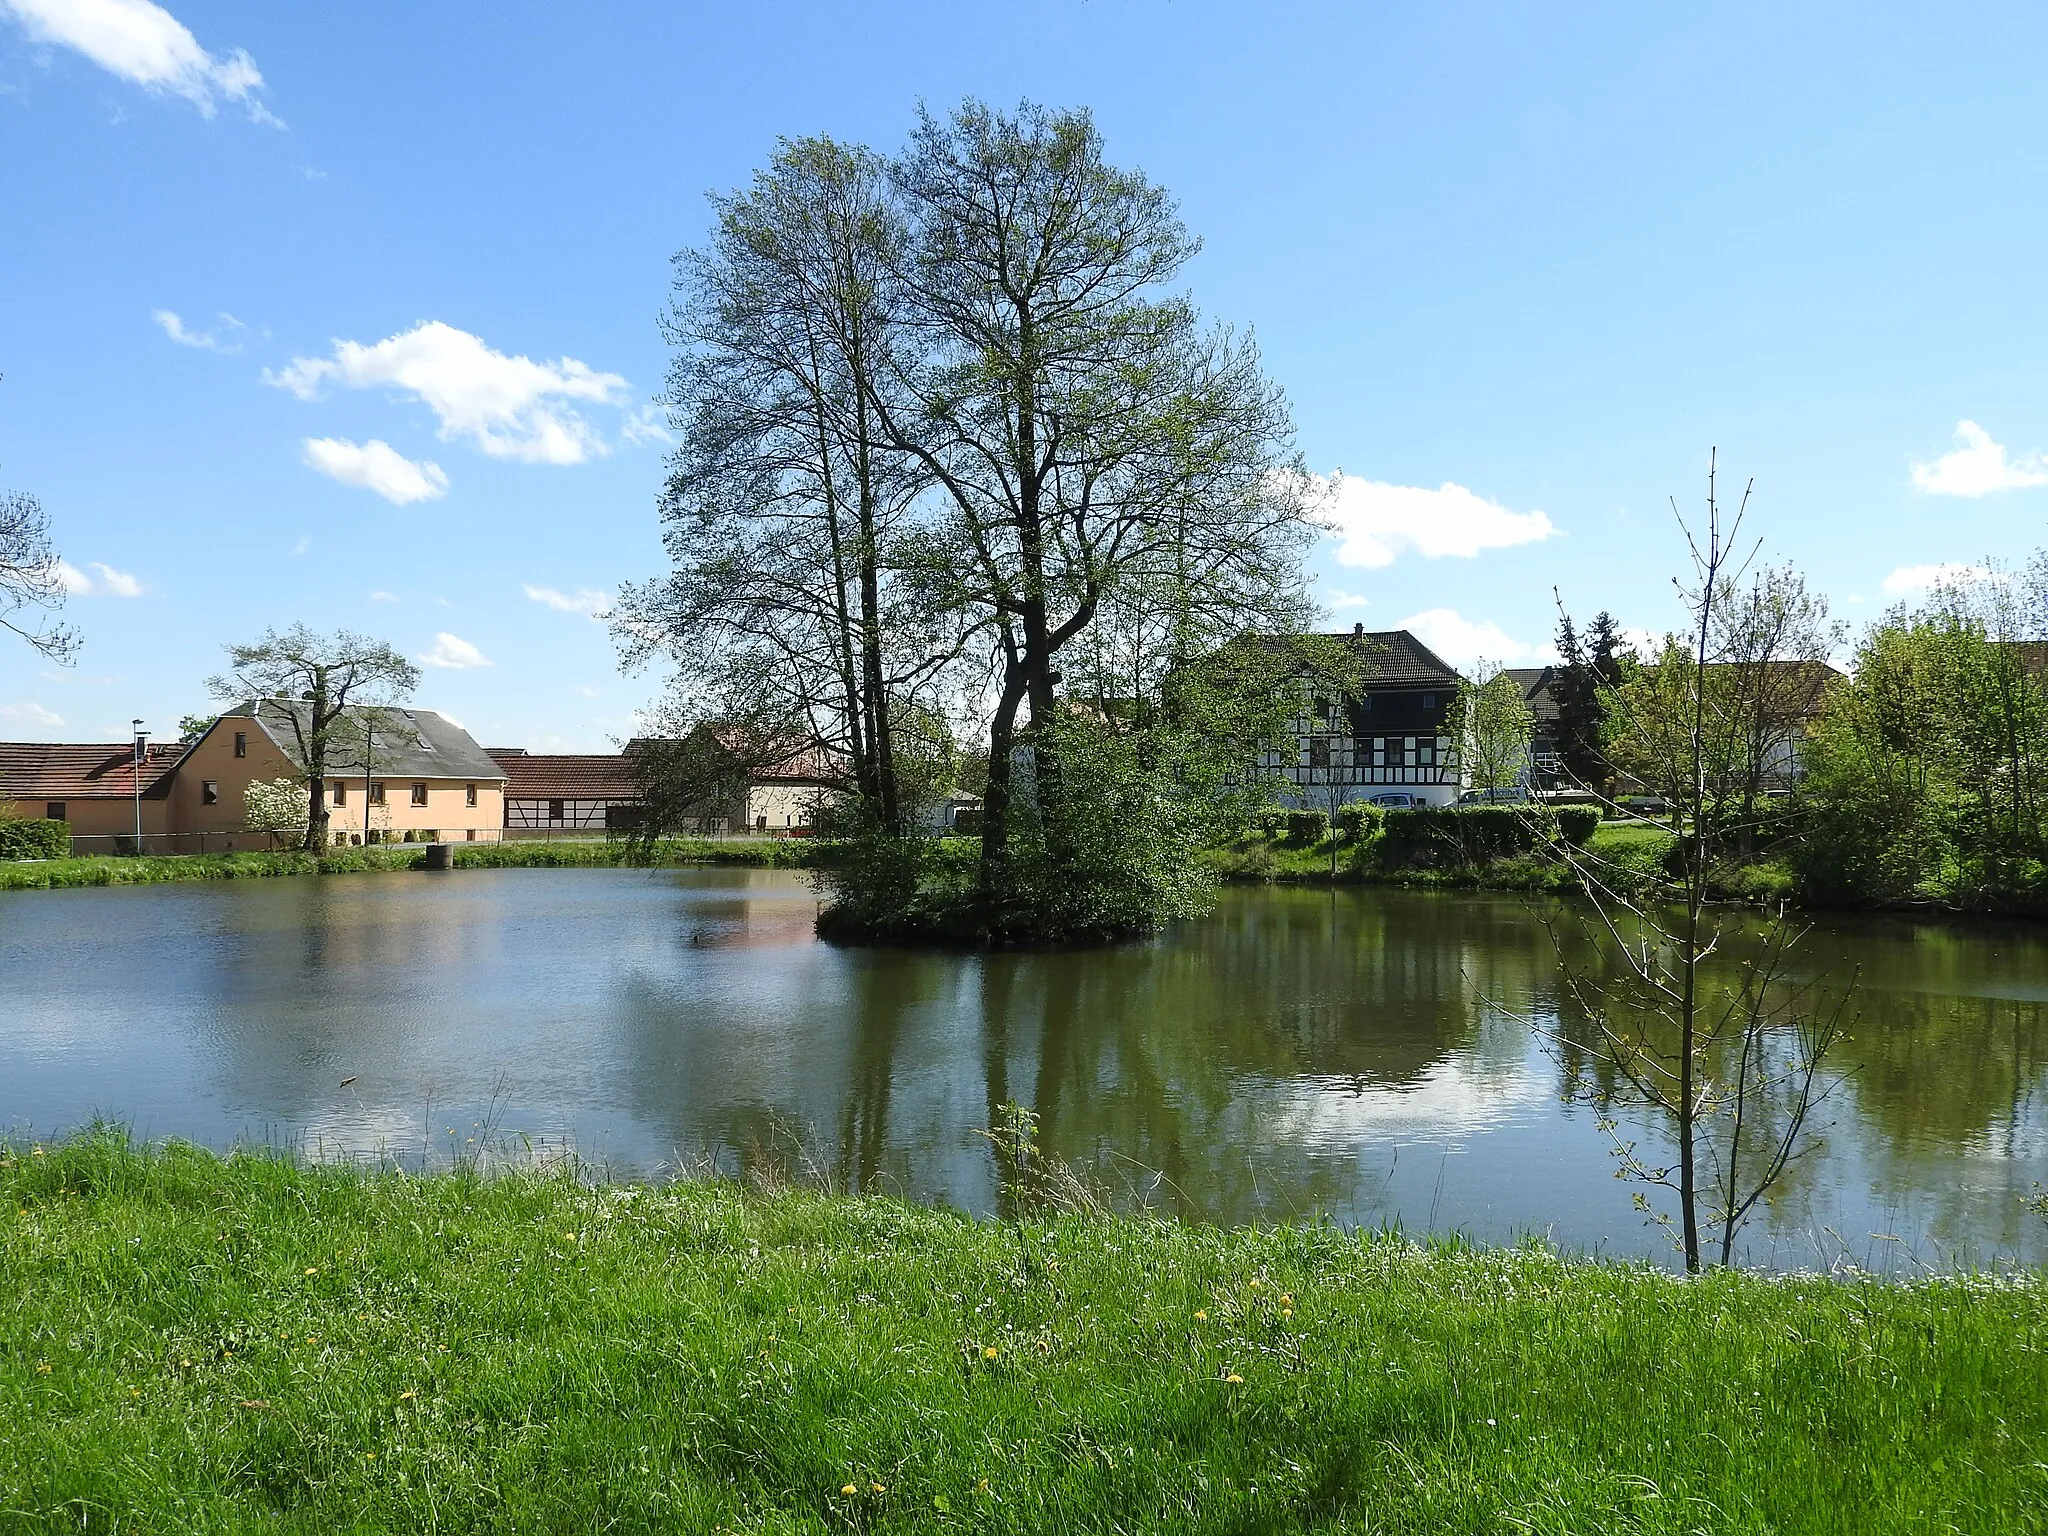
(195, 1344)
(50, 874)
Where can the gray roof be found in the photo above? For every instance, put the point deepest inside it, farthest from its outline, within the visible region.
(407, 743)
(1396, 659)
(1535, 685)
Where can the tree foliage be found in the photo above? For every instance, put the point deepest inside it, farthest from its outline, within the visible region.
(953, 452)
(1492, 724)
(1927, 775)
(322, 677)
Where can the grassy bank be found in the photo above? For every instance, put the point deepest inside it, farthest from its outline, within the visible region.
(1627, 848)
(50, 874)
(189, 1343)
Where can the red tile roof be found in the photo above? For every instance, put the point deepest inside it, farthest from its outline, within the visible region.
(565, 775)
(48, 770)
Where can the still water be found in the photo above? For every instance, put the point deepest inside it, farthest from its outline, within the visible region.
(1369, 1056)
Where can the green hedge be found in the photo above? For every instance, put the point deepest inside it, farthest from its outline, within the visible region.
(1360, 821)
(34, 839)
(1307, 826)
(1576, 824)
(1432, 837)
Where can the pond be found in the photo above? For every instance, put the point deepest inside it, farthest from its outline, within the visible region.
(1369, 1056)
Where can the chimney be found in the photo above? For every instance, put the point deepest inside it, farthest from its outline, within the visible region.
(1358, 630)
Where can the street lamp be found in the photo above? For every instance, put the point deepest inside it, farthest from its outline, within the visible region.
(141, 742)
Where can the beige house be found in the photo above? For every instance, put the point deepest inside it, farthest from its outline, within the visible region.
(392, 775)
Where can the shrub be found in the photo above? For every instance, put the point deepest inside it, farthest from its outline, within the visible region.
(1270, 822)
(34, 839)
(1307, 826)
(1360, 821)
(1434, 837)
(1577, 823)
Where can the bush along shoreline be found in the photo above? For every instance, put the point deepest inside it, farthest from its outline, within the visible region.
(60, 873)
(197, 1342)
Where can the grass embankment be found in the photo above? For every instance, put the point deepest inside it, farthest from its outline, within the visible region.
(55, 873)
(1627, 849)
(191, 1343)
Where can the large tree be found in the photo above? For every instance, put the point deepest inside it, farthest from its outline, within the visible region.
(318, 679)
(1588, 663)
(31, 576)
(950, 450)
(1093, 449)
(782, 499)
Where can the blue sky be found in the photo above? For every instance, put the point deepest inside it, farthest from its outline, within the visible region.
(1518, 268)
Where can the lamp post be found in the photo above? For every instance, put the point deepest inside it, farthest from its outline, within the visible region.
(141, 742)
(369, 759)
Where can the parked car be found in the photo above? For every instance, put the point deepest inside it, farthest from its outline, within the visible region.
(1397, 800)
(1513, 794)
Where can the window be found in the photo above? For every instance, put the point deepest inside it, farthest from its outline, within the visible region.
(419, 794)
(1429, 701)
(554, 810)
(209, 791)
(1319, 752)
(54, 811)
(340, 792)
(376, 792)
(241, 743)
(469, 794)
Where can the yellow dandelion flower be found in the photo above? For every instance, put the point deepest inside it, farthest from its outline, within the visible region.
(184, 1365)
(1234, 1379)
(1255, 1282)
(1287, 1298)
(312, 1269)
(878, 1487)
(1201, 1317)
(849, 1490)
(42, 1367)
(989, 1353)
(406, 1397)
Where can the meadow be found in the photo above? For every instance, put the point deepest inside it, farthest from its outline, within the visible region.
(191, 1342)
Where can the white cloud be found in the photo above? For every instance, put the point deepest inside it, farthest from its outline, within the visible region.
(1461, 642)
(146, 44)
(510, 407)
(383, 597)
(109, 582)
(587, 601)
(1977, 466)
(376, 466)
(30, 714)
(1336, 600)
(588, 693)
(649, 424)
(185, 336)
(1376, 523)
(1910, 579)
(454, 652)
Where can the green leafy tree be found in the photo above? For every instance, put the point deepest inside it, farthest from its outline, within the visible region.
(321, 677)
(1492, 724)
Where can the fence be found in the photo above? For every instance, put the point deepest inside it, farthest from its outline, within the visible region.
(159, 844)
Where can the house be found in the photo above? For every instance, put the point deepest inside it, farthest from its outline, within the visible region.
(93, 786)
(1537, 685)
(596, 792)
(567, 791)
(393, 775)
(1388, 738)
